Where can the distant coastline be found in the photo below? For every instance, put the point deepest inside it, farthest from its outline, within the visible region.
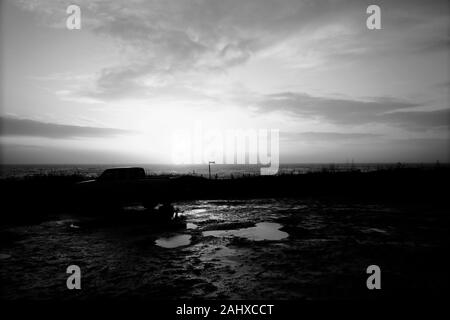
(221, 170)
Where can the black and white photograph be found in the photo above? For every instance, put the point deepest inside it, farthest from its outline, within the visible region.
(224, 158)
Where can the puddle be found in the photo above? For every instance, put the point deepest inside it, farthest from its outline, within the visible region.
(196, 211)
(376, 230)
(4, 256)
(192, 226)
(175, 241)
(262, 231)
(56, 223)
(134, 208)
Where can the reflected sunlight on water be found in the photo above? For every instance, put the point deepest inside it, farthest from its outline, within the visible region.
(262, 231)
(174, 242)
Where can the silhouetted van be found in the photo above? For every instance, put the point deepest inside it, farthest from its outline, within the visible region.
(117, 187)
(115, 174)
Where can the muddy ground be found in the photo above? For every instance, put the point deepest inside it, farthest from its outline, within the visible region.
(320, 250)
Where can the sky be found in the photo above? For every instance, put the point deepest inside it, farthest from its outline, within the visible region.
(116, 90)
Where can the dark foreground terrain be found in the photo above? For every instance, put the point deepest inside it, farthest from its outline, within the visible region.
(311, 244)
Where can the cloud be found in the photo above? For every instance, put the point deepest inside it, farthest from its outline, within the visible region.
(339, 111)
(32, 128)
(419, 120)
(355, 112)
(13, 153)
(326, 136)
(435, 45)
(160, 37)
(443, 85)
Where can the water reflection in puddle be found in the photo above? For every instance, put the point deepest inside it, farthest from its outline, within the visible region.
(262, 231)
(175, 241)
(376, 230)
(196, 211)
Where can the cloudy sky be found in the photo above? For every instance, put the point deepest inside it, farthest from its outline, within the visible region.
(116, 90)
